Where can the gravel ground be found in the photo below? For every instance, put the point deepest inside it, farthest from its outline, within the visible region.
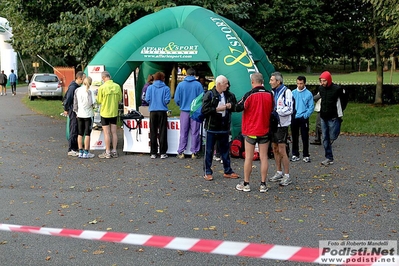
(354, 199)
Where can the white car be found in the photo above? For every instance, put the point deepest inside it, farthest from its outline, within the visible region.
(44, 85)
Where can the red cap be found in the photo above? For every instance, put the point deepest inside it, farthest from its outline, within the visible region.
(327, 76)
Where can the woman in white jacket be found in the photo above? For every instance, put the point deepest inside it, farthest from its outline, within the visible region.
(83, 107)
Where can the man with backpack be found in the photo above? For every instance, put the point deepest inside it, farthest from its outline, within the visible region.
(217, 106)
(257, 105)
(333, 103)
(284, 109)
(304, 106)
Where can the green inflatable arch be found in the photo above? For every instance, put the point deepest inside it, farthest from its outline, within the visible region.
(185, 34)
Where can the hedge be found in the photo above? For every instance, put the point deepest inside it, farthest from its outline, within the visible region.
(364, 93)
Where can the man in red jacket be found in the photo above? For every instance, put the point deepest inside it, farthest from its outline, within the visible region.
(257, 105)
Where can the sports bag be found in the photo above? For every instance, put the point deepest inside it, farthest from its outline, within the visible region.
(237, 146)
(196, 108)
(133, 114)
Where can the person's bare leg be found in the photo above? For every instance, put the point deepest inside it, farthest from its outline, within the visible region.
(277, 156)
(87, 142)
(107, 138)
(264, 163)
(114, 137)
(249, 155)
(80, 145)
(284, 157)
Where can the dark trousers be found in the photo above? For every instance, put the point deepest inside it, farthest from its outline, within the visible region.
(158, 126)
(318, 128)
(73, 131)
(300, 125)
(13, 87)
(223, 142)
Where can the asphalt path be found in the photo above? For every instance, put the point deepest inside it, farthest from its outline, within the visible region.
(354, 199)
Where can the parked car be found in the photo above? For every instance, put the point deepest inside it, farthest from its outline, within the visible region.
(44, 85)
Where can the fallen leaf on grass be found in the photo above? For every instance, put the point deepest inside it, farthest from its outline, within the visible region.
(93, 222)
(241, 222)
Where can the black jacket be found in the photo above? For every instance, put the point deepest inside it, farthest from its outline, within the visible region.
(68, 103)
(213, 120)
(329, 98)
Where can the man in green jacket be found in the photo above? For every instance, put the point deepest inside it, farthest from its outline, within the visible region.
(109, 96)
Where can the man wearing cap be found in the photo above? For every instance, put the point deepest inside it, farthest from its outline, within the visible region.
(331, 112)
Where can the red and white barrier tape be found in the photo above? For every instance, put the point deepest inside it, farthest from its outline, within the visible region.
(264, 251)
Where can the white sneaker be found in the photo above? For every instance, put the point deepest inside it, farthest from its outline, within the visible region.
(164, 156)
(306, 159)
(285, 181)
(295, 158)
(153, 156)
(327, 162)
(73, 153)
(240, 186)
(276, 177)
(88, 155)
(263, 189)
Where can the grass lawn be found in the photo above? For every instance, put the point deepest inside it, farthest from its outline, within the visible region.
(351, 78)
(45, 106)
(367, 119)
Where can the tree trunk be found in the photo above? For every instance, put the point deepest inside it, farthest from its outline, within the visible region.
(392, 67)
(379, 65)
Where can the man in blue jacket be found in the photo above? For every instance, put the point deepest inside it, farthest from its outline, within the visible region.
(13, 82)
(186, 92)
(304, 106)
(158, 98)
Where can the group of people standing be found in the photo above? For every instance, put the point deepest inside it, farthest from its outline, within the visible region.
(12, 78)
(156, 95)
(78, 105)
(293, 108)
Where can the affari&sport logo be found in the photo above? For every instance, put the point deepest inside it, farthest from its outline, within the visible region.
(358, 252)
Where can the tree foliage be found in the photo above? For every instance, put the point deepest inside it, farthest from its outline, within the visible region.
(389, 10)
(294, 33)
